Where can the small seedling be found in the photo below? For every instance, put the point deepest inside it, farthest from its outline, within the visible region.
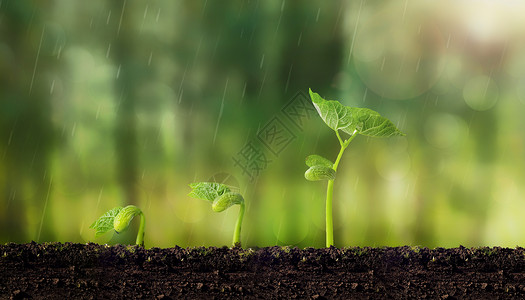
(118, 218)
(352, 121)
(221, 197)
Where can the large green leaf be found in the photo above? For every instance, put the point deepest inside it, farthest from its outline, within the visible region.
(208, 190)
(333, 113)
(105, 222)
(353, 119)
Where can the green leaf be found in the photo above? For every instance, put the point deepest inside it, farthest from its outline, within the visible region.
(105, 222)
(318, 160)
(370, 123)
(208, 190)
(333, 113)
(353, 119)
(316, 173)
(226, 200)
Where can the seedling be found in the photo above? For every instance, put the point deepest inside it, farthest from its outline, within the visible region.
(352, 121)
(118, 218)
(221, 198)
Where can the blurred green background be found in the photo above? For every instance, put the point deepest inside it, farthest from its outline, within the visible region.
(106, 103)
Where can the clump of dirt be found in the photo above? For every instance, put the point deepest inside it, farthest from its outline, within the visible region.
(92, 271)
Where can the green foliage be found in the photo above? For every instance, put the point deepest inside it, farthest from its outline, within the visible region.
(222, 198)
(105, 222)
(353, 121)
(208, 190)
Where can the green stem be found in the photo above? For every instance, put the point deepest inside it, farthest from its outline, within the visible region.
(140, 234)
(330, 191)
(329, 218)
(237, 232)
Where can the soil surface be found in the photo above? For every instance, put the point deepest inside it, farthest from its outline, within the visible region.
(92, 271)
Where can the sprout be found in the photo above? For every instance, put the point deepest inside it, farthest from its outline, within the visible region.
(118, 218)
(352, 121)
(221, 198)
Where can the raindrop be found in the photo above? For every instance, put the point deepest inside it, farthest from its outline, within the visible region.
(404, 11)
(182, 82)
(74, 129)
(262, 84)
(197, 52)
(299, 39)
(109, 49)
(220, 111)
(98, 112)
(109, 17)
(52, 87)
(355, 31)
(10, 137)
(180, 95)
(317, 17)
(244, 91)
(118, 71)
(150, 57)
(288, 79)
(44, 210)
(158, 15)
(215, 47)
(503, 54)
(121, 17)
(99, 197)
(279, 22)
(145, 13)
(262, 62)
(59, 52)
(336, 25)
(204, 7)
(36, 60)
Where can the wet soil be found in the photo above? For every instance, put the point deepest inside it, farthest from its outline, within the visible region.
(91, 271)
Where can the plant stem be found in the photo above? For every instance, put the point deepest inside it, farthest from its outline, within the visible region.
(140, 234)
(330, 191)
(237, 232)
(329, 218)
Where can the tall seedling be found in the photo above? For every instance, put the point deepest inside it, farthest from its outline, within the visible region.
(351, 121)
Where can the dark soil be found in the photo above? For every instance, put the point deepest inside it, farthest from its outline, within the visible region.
(91, 271)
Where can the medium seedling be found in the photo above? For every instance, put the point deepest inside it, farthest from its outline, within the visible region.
(352, 121)
(118, 218)
(221, 197)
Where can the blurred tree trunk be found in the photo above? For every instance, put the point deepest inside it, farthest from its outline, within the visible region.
(26, 132)
(131, 72)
